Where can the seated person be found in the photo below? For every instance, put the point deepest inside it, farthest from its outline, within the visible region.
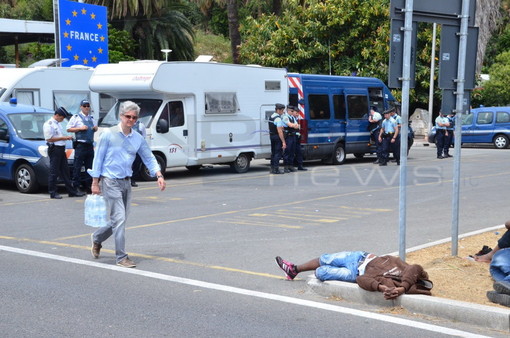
(503, 242)
(387, 274)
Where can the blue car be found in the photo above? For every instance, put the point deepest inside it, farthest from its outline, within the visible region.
(484, 125)
(23, 150)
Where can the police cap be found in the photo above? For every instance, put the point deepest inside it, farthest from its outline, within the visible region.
(279, 106)
(289, 107)
(61, 111)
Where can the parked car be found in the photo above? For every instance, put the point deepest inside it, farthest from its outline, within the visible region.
(484, 125)
(23, 150)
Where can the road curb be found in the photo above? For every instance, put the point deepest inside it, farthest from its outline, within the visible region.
(481, 315)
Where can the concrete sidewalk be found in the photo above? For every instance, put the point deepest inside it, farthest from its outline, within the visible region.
(481, 315)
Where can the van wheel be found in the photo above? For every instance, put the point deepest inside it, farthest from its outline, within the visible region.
(241, 164)
(25, 180)
(359, 155)
(145, 173)
(500, 142)
(339, 154)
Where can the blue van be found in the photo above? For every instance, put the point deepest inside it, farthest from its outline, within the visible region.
(484, 125)
(487, 125)
(335, 114)
(23, 150)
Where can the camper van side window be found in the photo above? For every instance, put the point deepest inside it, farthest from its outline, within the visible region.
(221, 103)
(26, 97)
(357, 106)
(319, 107)
(339, 106)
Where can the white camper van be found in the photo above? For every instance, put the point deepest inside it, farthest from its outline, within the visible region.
(196, 112)
(52, 87)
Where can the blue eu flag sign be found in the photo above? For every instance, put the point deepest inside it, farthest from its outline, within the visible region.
(83, 34)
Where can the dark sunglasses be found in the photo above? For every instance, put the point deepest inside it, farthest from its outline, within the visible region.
(131, 117)
(86, 106)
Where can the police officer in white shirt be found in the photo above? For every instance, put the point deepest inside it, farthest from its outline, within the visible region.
(56, 141)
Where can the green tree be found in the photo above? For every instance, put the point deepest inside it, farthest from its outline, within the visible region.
(496, 91)
(121, 46)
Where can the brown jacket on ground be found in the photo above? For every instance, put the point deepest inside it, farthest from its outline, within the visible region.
(393, 272)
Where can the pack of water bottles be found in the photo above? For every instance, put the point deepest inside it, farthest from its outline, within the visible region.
(95, 211)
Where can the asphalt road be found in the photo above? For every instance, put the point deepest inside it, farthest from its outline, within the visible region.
(205, 250)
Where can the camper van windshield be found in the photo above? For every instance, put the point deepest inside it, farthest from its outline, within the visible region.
(148, 109)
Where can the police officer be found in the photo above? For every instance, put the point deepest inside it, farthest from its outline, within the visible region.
(298, 154)
(374, 127)
(290, 139)
(396, 145)
(387, 136)
(449, 137)
(276, 126)
(56, 141)
(442, 123)
(84, 127)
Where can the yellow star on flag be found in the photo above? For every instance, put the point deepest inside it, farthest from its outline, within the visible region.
(85, 61)
(75, 13)
(99, 26)
(102, 38)
(94, 59)
(100, 50)
(68, 22)
(76, 57)
(69, 47)
(66, 34)
(83, 11)
(93, 16)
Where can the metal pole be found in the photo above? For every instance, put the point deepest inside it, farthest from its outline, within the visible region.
(432, 73)
(406, 84)
(56, 21)
(461, 70)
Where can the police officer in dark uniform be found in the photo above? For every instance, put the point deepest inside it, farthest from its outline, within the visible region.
(442, 123)
(387, 136)
(449, 137)
(290, 139)
(56, 141)
(84, 127)
(276, 126)
(298, 154)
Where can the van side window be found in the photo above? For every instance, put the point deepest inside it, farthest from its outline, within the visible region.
(173, 113)
(319, 107)
(484, 118)
(357, 106)
(467, 119)
(339, 106)
(502, 117)
(4, 131)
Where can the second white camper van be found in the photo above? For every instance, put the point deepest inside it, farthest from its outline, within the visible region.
(52, 87)
(197, 113)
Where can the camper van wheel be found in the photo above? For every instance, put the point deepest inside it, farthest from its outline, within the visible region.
(145, 173)
(500, 141)
(359, 155)
(339, 154)
(241, 164)
(25, 179)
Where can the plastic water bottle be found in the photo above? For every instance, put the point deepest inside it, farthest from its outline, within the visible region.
(95, 211)
(101, 211)
(87, 213)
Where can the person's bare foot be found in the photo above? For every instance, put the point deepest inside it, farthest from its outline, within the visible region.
(487, 258)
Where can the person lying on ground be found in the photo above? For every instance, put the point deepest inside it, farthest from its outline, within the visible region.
(503, 242)
(387, 274)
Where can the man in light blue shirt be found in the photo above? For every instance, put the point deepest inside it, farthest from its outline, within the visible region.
(111, 176)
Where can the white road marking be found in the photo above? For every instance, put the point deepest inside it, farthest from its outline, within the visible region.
(246, 292)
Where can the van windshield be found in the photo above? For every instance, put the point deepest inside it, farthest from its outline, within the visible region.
(148, 109)
(29, 126)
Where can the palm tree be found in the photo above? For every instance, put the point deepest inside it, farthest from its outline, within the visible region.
(487, 19)
(155, 25)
